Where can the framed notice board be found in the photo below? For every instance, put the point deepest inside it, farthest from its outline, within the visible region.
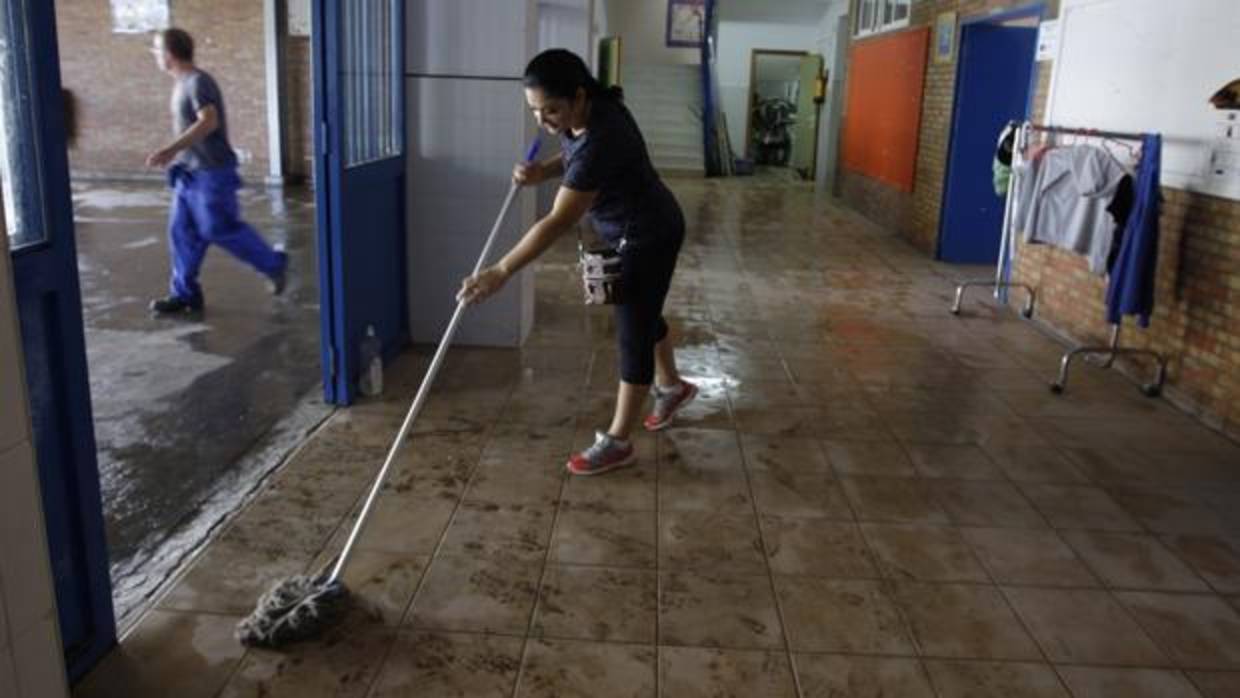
(882, 115)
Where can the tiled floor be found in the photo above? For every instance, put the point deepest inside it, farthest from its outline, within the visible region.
(871, 497)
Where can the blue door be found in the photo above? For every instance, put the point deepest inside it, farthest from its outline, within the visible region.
(360, 172)
(40, 229)
(992, 88)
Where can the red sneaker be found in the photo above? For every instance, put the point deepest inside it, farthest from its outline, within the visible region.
(667, 402)
(607, 453)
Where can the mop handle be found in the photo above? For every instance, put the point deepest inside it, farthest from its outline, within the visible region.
(427, 380)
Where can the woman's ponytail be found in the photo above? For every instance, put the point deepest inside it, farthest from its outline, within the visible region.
(560, 73)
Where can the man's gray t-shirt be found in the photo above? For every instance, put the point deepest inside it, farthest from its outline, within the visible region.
(192, 93)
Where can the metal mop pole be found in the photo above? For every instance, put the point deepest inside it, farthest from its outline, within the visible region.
(425, 388)
(1005, 243)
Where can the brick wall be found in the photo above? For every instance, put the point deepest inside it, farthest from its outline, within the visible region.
(1197, 319)
(122, 99)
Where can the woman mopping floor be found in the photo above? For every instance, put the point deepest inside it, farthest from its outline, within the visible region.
(606, 172)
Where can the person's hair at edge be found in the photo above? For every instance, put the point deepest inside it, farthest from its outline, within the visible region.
(559, 72)
(178, 43)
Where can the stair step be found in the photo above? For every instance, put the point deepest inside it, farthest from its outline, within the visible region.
(665, 102)
(678, 152)
(663, 89)
(670, 122)
(666, 168)
(679, 97)
(657, 138)
(660, 68)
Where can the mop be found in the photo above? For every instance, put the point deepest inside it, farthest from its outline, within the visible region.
(298, 607)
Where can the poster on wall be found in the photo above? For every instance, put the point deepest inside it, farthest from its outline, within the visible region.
(1222, 171)
(685, 22)
(945, 37)
(139, 16)
(298, 17)
(1048, 40)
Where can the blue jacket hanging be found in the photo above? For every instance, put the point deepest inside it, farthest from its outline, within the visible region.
(1131, 288)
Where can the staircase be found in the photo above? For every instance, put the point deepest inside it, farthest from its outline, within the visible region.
(666, 101)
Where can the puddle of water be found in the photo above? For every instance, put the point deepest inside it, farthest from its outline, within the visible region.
(113, 199)
(138, 244)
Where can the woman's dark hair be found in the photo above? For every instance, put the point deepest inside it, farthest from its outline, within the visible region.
(560, 72)
(179, 44)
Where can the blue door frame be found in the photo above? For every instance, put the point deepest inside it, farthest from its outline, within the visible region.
(971, 213)
(710, 140)
(49, 304)
(360, 209)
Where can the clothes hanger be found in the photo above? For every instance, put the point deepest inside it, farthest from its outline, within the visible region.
(1132, 149)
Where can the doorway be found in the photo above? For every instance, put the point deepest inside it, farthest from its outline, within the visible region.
(994, 85)
(189, 410)
(218, 397)
(782, 119)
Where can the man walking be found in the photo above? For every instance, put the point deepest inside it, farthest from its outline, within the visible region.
(202, 172)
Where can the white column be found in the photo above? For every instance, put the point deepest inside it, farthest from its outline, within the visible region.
(31, 659)
(274, 14)
(467, 125)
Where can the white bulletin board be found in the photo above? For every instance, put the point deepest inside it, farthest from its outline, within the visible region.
(1151, 65)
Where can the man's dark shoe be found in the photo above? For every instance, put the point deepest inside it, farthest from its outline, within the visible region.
(277, 280)
(175, 305)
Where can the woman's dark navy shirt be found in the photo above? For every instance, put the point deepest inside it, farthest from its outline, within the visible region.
(633, 205)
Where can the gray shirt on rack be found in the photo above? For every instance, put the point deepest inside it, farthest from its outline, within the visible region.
(1062, 200)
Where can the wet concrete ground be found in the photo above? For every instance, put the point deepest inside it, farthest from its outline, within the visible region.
(179, 402)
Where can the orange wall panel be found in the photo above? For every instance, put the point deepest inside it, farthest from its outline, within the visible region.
(882, 119)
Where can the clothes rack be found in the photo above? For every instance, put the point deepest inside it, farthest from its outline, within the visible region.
(1112, 350)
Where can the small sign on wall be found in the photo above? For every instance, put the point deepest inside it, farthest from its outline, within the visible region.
(945, 37)
(298, 17)
(1048, 40)
(1222, 172)
(139, 16)
(686, 21)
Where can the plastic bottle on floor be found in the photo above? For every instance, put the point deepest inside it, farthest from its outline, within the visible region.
(371, 383)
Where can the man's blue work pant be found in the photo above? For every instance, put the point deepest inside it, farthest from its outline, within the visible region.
(205, 212)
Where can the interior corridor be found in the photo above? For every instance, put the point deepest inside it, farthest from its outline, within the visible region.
(870, 497)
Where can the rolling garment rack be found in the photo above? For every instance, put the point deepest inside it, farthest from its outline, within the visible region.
(1112, 350)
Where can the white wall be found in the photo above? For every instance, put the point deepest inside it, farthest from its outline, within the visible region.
(832, 110)
(598, 27)
(1150, 66)
(642, 28)
(737, 40)
(561, 24)
(565, 24)
(31, 662)
(825, 43)
(468, 124)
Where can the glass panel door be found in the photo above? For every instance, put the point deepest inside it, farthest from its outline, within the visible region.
(20, 166)
(370, 81)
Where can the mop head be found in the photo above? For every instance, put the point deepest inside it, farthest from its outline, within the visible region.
(294, 609)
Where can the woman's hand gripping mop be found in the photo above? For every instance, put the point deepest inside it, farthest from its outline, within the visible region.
(299, 607)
